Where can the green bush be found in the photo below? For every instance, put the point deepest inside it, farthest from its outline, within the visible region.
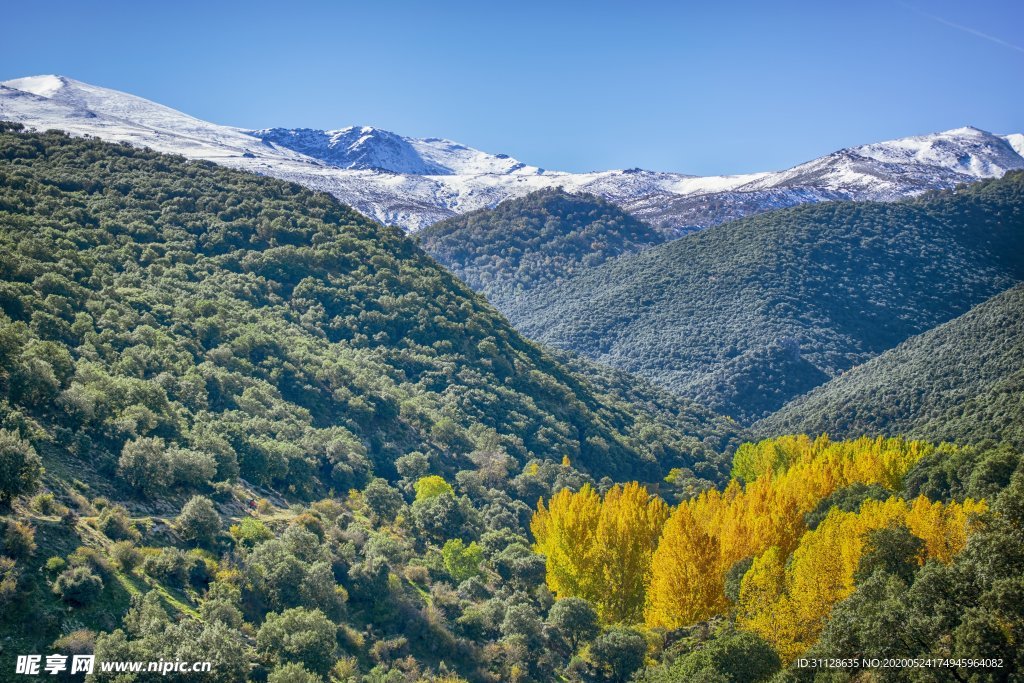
(292, 673)
(198, 522)
(126, 555)
(10, 572)
(462, 561)
(299, 636)
(116, 524)
(19, 539)
(78, 586)
(20, 467)
(169, 565)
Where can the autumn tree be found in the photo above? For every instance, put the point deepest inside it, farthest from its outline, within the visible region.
(601, 550)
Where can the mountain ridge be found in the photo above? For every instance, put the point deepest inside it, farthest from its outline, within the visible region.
(542, 238)
(414, 182)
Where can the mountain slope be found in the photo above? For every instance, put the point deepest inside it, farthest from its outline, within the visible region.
(746, 316)
(538, 240)
(414, 182)
(255, 419)
(962, 381)
(147, 296)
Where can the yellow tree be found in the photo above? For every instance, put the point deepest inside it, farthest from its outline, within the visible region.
(785, 479)
(628, 529)
(821, 570)
(564, 533)
(686, 584)
(601, 550)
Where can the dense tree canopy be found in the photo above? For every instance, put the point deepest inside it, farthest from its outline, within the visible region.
(959, 382)
(540, 239)
(748, 315)
(183, 323)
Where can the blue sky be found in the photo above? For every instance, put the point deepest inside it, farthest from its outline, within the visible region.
(705, 88)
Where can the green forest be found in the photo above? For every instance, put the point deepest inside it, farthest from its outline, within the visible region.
(539, 240)
(241, 423)
(746, 316)
(961, 382)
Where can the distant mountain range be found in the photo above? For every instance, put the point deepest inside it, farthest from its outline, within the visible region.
(413, 182)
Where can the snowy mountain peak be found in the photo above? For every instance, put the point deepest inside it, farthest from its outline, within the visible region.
(413, 182)
(369, 148)
(1016, 141)
(89, 101)
(362, 147)
(967, 150)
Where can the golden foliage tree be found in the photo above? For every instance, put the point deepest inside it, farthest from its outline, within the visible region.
(685, 587)
(788, 604)
(601, 550)
(786, 478)
(634, 561)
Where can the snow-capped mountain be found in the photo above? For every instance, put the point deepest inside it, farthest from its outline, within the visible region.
(414, 182)
(370, 148)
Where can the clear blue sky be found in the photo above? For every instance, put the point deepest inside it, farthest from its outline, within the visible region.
(706, 88)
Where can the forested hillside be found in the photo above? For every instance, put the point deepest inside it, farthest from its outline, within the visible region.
(541, 239)
(240, 423)
(748, 315)
(146, 296)
(962, 381)
(234, 410)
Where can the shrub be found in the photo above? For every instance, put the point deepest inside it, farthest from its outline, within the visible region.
(126, 555)
(9, 575)
(292, 673)
(144, 465)
(432, 486)
(619, 651)
(389, 649)
(116, 524)
(78, 586)
(345, 669)
(462, 561)
(575, 621)
(19, 539)
(20, 467)
(299, 635)
(250, 532)
(79, 642)
(46, 504)
(383, 500)
(169, 565)
(438, 517)
(729, 656)
(83, 556)
(198, 522)
(417, 573)
(191, 468)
